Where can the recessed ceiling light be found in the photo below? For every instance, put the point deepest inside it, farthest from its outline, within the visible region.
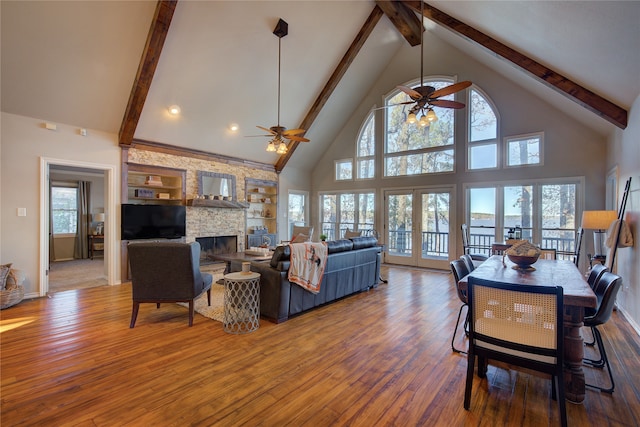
(233, 127)
(174, 110)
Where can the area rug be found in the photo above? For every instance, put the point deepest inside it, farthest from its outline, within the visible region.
(216, 310)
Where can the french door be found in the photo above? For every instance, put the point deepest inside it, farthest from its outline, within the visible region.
(418, 227)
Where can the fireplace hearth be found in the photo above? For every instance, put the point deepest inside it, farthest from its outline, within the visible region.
(215, 245)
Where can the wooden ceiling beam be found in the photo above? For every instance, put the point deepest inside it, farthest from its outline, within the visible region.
(146, 69)
(575, 92)
(333, 81)
(404, 19)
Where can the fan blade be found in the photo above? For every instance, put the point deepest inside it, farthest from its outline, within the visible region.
(267, 130)
(447, 104)
(450, 89)
(293, 131)
(412, 93)
(255, 136)
(296, 138)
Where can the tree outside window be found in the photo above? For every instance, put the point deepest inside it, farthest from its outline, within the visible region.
(64, 207)
(414, 150)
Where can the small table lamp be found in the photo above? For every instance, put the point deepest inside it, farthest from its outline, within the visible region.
(99, 218)
(599, 222)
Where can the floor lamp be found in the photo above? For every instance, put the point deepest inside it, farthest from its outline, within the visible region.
(599, 222)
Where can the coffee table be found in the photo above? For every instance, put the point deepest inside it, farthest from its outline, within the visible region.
(238, 256)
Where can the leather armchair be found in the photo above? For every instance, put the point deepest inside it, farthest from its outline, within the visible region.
(166, 272)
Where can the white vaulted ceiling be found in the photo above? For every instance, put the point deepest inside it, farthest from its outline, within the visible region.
(76, 62)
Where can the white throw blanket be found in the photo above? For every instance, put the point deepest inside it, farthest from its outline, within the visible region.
(308, 261)
(626, 237)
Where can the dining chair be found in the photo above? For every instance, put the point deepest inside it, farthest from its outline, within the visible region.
(547, 253)
(578, 246)
(520, 325)
(300, 233)
(467, 247)
(594, 274)
(606, 290)
(468, 261)
(459, 269)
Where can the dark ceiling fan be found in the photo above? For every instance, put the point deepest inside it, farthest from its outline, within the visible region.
(280, 133)
(427, 97)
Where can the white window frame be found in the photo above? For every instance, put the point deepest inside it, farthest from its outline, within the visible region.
(338, 194)
(371, 117)
(479, 143)
(536, 229)
(337, 164)
(427, 150)
(512, 138)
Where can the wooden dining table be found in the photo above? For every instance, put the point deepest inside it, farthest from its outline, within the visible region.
(577, 295)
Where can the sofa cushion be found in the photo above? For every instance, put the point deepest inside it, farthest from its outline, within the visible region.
(364, 242)
(342, 245)
(281, 253)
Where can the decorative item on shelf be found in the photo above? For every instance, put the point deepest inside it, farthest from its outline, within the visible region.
(143, 192)
(153, 180)
(164, 196)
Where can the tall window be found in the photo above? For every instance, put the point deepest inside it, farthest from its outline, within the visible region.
(483, 133)
(414, 150)
(64, 206)
(546, 211)
(366, 150)
(353, 211)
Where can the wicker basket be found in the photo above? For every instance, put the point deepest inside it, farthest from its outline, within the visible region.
(9, 297)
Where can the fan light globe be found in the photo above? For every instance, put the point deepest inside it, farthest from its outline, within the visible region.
(271, 147)
(423, 122)
(431, 116)
(411, 118)
(282, 148)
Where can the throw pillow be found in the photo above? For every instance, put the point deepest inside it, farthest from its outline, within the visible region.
(348, 234)
(4, 273)
(300, 238)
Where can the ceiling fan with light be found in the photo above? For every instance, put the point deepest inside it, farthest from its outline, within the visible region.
(427, 97)
(279, 133)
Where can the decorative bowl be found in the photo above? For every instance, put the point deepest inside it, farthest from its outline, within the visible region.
(523, 254)
(523, 261)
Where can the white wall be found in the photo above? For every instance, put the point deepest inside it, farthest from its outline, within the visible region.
(24, 141)
(570, 149)
(624, 152)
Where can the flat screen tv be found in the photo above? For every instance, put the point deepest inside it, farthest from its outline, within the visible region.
(153, 222)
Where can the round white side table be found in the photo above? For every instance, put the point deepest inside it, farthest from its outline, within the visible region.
(241, 302)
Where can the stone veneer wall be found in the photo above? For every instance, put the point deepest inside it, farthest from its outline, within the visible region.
(201, 221)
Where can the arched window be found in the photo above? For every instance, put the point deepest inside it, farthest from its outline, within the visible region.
(483, 132)
(366, 149)
(411, 149)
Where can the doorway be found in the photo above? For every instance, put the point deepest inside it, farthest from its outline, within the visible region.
(418, 226)
(74, 273)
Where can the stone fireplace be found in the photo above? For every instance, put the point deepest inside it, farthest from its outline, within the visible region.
(214, 245)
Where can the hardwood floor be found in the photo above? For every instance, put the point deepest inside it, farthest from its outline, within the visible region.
(381, 357)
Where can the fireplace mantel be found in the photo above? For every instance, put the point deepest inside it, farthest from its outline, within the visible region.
(223, 204)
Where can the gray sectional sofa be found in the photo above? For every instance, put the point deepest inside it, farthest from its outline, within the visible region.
(353, 265)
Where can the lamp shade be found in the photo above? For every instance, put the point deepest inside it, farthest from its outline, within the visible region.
(99, 217)
(598, 220)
